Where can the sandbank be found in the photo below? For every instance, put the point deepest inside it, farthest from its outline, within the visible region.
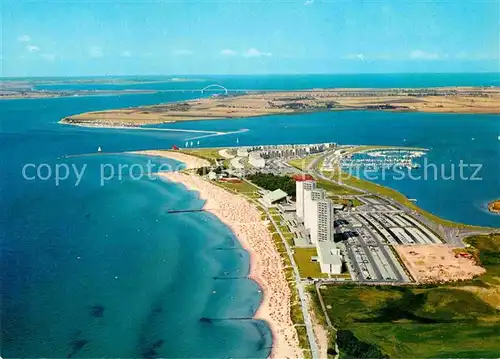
(191, 162)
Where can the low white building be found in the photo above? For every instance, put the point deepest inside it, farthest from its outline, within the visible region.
(256, 160)
(242, 152)
(269, 199)
(330, 259)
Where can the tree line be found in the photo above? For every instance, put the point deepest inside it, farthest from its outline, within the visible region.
(273, 182)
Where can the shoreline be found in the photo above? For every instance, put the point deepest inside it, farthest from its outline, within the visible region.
(494, 206)
(266, 268)
(191, 162)
(445, 100)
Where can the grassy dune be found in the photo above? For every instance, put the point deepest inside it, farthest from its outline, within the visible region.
(457, 320)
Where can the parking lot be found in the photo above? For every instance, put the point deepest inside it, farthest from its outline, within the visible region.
(369, 233)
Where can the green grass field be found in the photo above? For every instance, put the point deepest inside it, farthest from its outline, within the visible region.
(302, 163)
(241, 187)
(334, 189)
(425, 321)
(210, 154)
(388, 192)
(307, 268)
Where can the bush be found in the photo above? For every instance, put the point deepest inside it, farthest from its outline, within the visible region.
(273, 182)
(352, 347)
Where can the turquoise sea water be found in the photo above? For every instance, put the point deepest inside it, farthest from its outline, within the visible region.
(104, 271)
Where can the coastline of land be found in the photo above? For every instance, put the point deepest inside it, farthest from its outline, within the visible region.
(190, 162)
(19, 95)
(460, 100)
(266, 267)
(494, 206)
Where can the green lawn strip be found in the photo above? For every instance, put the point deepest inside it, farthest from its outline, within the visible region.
(302, 163)
(241, 187)
(302, 334)
(334, 189)
(283, 229)
(209, 154)
(307, 268)
(395, 195)
(296, 312)
(289, 239)
(345, 201)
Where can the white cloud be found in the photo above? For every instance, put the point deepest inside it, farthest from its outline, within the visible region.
(308, 2)
(96, 52)
(183, 52)
(48, 57)
(228, 52)
(32, 48)
(24, 38)
(423, 55)
(126, 54)
(354, 57)
(256, 53)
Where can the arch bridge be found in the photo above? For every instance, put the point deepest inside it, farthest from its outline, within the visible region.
(214, 86)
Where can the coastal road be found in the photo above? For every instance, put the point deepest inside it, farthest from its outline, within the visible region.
(302, 295)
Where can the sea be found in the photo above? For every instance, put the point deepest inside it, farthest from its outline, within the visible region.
(94, 265)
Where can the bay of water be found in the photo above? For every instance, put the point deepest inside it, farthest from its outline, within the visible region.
(104, 271)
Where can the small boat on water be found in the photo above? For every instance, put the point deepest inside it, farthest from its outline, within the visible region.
(99, 149)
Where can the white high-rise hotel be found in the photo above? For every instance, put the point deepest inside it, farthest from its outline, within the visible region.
(301, 187)
(311, 214)
(316, 210)
(325, 220)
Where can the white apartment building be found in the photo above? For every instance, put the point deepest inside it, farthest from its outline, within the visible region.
(310, 198)
(311, 212)
(325, 220)
(300, 188)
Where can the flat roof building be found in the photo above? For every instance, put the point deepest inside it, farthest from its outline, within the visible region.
(329, 256)
(272, 197)
(256, 160)
(242, 152)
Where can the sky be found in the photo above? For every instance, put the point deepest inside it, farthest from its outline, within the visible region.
(149, 37)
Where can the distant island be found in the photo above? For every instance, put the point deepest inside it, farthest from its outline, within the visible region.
(29, 94)
(494, 206)
(465, 100)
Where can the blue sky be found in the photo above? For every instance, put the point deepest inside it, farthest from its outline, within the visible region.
(125, 37)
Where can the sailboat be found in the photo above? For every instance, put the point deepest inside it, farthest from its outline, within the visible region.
(187, 144)
(99, 149)
(191, 144)
(198, 143)
(238, 140)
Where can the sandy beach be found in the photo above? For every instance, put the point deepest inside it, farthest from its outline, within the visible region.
(265, 263)
(190, 161)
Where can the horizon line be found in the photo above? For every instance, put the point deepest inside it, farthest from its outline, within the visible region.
(256, 74)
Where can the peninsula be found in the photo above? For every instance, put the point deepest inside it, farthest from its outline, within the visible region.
(494, 206)
(466, 100)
